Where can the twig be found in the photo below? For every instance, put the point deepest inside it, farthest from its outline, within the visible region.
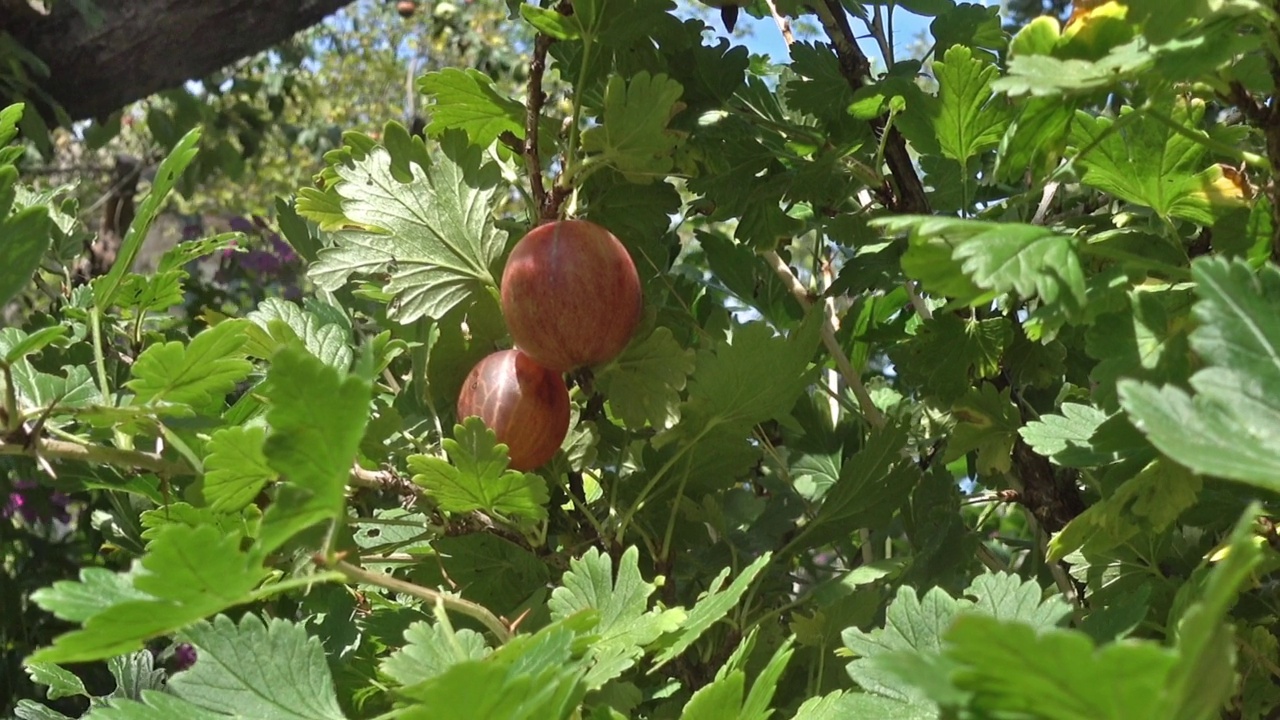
(1266, 662)
(152, 462)
(533, 102)
(784, 25)
(851, 376)
(99, 454)
(383, 480)
(1046, 201)
(876, 26)
(908, 196)
(450, 602)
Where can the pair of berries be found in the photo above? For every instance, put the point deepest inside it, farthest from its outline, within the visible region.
(571, 298)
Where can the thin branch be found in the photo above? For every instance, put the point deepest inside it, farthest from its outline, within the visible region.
(450, 602)
(908, 196)
(1046, 202)
(909, 193)
(98, 454)
(383, 480)
(784, 25)
(49, 448)
(851, 376)
(535, 97)
(876, 27)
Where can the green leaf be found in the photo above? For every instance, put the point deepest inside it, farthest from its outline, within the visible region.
(97, 589)
(189, 573)
(430, 650)
(170, 170)
(32, 710)
(1203, 680)
(154, 705)
(9, 118)
(240, 524)
(60, 681)
(964, 119)
(626, 623)
(643, 384)
(1149, 163)
(532, 677)
(751, 378)
(486, 569)
(317, 417)
(988, 423)
(1035, 139)
(1056, 674)
(323, 207)
(236, 468)
(195, 374)
(1150, 501)
(711, 606)
(756, 704)
(1231, 427)
(17, 344)
(741, 270)
(911, 624)
(903, 661)
(1005, 596)
(843, 705)
(719, 700)
(550, 22)
(152, 293)
(1047, 76)
(819, 89)
(1027, 260)
(295, 231)
(278, 322)
(1066, 439)
(871, 487)
(467, 100)
(433, 234)
(477, 477)
(135, 674)
(972, 349)
(928, 8)
(26, 237)
(257, 669)
(633, 136)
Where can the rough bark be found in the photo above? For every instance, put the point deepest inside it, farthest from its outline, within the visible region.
(145, 46)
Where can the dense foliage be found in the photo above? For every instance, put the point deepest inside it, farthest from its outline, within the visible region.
(956, 391)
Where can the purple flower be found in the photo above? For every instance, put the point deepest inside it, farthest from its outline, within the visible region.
(24, 503)
(260, 262)
(283, 250)
(240, 224)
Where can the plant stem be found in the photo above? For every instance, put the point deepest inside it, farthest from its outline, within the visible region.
(13, 419)
(533, 102)
(97, 454)
(450, 602)
(851, 377)
(571, 152)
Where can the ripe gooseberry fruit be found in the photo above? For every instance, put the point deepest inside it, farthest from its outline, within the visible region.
(571, 295)
(406, 8)
(525, 404)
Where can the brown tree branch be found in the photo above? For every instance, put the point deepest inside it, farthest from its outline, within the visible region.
(908, 193)
(145, 46)
(535, 97)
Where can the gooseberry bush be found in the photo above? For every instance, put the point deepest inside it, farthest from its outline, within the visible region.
(953, 392)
